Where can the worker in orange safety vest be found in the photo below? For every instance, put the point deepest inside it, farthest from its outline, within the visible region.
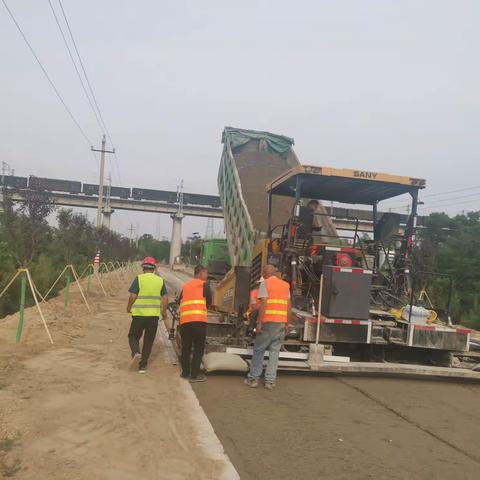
(273, 316)
(195, 299)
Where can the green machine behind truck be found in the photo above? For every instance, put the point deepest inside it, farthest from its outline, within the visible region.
(215, 257)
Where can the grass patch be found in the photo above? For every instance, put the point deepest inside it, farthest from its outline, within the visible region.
(3, 385)
(9, 471)
(6, 444)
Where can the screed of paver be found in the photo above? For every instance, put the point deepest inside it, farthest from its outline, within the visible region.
(320, 427)
(74, 411)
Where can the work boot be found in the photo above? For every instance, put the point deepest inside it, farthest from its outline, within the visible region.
(198, 378)
(251, 382)
(134, 363)
(269, 385)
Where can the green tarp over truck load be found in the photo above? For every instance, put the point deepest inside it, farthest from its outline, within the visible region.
(250, 160)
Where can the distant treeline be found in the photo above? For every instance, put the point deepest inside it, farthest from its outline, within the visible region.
(27, 240)
(448, 245)
(452, 246)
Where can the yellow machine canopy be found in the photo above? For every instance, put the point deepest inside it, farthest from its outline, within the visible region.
(342, 185)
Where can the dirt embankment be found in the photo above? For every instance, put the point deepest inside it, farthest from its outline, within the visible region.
(74, 411)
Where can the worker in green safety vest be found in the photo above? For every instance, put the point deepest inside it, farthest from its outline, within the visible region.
(148, 300)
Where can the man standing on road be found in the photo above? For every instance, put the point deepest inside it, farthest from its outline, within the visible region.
(148, 299)
(195, 299)
(275, 310)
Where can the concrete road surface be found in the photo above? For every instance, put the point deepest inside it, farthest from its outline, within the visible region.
(347, 427)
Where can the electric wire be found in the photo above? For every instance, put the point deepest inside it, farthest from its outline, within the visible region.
(477, 195)
(99, 117)
(94, 98)
(75, 66)
(451, 191)
(64, 14)
(83, 67)
(47, 76)
(450, 204)
(430, 195)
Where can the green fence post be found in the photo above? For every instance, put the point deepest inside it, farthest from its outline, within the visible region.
(67, 289)
(23, 290)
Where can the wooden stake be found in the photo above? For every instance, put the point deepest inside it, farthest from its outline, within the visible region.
(38, 293)
(38, 305)
(54, 283)
(85, 270)
(10, 282)
(101, 284)
(72, 268)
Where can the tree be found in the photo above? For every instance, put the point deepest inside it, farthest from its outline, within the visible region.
(452, 246)
(76, 235)
(150, 247)
(26, 239)
(26, 227)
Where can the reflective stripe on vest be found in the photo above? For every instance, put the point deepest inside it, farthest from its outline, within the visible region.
(278, 293)
(149, 300)
(193, 306)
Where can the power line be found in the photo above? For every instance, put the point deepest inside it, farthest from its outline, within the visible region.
(91, 89)
(453, 198)
(75, 66)
(451, 191)
(47, 76)
(450, 204)
(397, 206)
(83, 68)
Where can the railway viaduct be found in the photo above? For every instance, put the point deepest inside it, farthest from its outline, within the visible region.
(343, 219)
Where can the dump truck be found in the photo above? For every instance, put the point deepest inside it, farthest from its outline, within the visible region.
(214, 255)
(356, 297)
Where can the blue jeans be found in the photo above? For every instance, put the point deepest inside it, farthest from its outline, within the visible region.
(270, 338)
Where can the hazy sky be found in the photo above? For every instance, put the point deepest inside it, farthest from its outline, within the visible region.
(377, 85)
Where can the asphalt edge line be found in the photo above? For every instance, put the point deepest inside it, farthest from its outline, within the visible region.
(206, 437)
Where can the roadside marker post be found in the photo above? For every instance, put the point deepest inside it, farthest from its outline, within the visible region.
(23, 291)
(67, 289)
(92, 271)
(30, 281)
(77, 280)
(69, 270)
(25, 275)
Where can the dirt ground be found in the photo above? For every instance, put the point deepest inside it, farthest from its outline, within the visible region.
(74, 411)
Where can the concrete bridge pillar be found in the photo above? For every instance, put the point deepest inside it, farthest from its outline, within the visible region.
(107, 216)
(176, 242)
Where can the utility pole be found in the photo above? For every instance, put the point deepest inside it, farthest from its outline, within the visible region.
(209, 231)
(176, 242)
(100, 183)
(131, 230)
(107, 209)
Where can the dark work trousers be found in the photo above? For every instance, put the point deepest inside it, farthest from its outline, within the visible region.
(138, 326)
(193, 335)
